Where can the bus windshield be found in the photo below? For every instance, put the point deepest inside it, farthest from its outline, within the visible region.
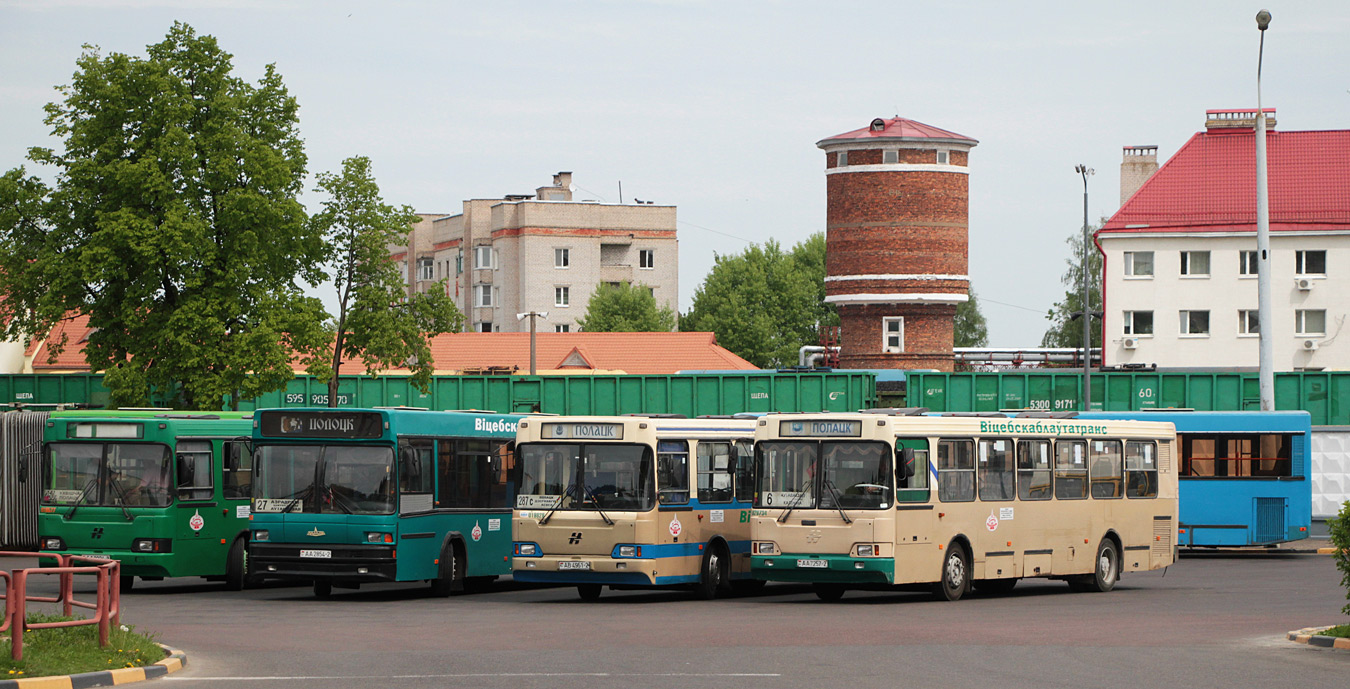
(131, 474)
(324, 479)
(828, 475)
(577, 476)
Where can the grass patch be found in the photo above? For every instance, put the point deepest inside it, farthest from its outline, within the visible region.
(72, 650)
(1342, 631)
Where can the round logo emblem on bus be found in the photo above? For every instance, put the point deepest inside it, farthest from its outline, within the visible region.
(675, 527)
(992, 522)
(477, 532)
(196, 522)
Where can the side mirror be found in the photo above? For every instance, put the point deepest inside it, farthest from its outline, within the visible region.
(186, 472)
(907, 462)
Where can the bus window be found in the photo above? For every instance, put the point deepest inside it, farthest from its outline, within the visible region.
(956, 470)
(237, 474)
(857, 475)
(1070, 470)
(715, 469)
(1106, 471)
(995, 469)
(194, 471)
(672, 472)
(473, 474)
(911, 469)
(1141, 469)
(1033, 470)
(745, 471)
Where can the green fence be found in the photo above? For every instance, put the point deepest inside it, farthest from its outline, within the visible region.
(1325, 395)
(691, 395)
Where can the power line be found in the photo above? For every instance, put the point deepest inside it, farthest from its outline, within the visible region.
(709, 229)
(983, 298)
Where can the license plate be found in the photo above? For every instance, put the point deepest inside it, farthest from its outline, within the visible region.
(316, 553)
(813, 564)
(575, 564)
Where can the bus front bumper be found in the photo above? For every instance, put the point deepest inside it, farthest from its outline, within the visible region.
(833, 569)
(599, 570)
(133, 564)
(345, 562)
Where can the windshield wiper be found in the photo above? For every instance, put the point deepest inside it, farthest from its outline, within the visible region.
(122, 500)
(801, 493)
(834, 491)
(80, 500)
(570, 487)
(296, 498)
(595, 499)
(335, 498)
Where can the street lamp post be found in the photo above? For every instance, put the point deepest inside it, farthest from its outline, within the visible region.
(1264, 323)
(1086, 172)
(532, 315)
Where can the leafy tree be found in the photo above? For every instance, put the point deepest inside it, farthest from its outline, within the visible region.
(376, 319)
(970, 327)
(173, 224)
(626, 308)
(1065, 330)
(764, 304)
(1339, 529)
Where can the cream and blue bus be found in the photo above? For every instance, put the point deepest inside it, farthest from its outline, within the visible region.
(633, 502)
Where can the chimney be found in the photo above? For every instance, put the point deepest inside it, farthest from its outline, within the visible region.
(1139, 164)
(1241, 119)
(560, 191)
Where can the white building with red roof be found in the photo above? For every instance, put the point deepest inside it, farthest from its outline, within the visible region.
(1179, 278)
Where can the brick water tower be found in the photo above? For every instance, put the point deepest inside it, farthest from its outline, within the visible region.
(896, 241)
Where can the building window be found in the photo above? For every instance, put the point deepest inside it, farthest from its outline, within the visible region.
(841, 159)
(459, 262)
(651, 292)
(562, 327)
(893, 335)
(562, 296)
(1247, 263)
(1311, 321)
(1138, 322)
(1139, 264)
(1194, 322)
(483, 257)
(1195, 263)
(647, 258)
(485, 327)
(425, 269)
(1248, 323)
(890, 157)
(561, 258)
(482, 296)
(943, 158)
(1311, 262)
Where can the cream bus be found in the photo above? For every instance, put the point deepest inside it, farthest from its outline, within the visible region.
(896, 497)
(634, 502)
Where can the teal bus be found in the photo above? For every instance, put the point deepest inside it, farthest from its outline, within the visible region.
(166, 493)
(344, 497)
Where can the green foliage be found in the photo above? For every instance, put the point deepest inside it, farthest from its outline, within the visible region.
(625, 308)
(1065, 331)
(72, 650)
(764, 304)
(173, 225)
(376, 319)
(1339, 526)
(971, 330)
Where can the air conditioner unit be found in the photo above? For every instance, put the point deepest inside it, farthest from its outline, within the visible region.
(1310, 345)
(1304, 284)
(1130, 342)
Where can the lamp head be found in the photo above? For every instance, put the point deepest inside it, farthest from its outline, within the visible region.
(1262, 20)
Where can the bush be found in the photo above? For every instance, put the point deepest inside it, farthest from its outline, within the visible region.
(1340, 540)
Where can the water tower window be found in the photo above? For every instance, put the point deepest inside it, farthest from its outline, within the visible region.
(890, 157)
(893, 335)
(943, 158)
(841, 159)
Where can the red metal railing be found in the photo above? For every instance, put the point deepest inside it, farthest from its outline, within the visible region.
(106, 607)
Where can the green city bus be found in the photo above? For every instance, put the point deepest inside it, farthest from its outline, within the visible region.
(164, 492)
(344, 497)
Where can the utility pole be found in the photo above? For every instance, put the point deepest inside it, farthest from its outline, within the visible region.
(532, 315)
(1087, 281)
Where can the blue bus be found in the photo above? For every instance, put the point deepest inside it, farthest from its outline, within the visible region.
(1244, 475)
(343, 497)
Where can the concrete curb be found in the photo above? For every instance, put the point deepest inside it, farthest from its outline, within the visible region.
(1311, 637)
(1326, 551)
(173, 662)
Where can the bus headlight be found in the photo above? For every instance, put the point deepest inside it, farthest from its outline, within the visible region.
(152, 545)
(765, 548)
(868, 550)
(628, 551)
(527, 549)
(53, 543)
(379, 537)
(260, 535)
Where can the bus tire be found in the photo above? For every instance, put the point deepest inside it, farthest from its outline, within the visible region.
(236, 566)
(125, 583)
(451, 573)
(714, 576)
(589, 592)
(828, 592)
(955, 574)
(1106, 568)
(323, 589)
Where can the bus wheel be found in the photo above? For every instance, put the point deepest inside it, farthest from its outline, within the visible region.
(828, 592)
(125, 582)
(1108, 568)
(955, 574)
(236, 566)
(714, 575)
(995, 586)
(589, 592)
(323, 588)
(451, 571)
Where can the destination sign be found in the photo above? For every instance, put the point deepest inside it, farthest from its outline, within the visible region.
(582, 431)
(820, 429)
(320, 424)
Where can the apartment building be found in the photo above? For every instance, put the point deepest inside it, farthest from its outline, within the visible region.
(1180, 254)
(544, 252)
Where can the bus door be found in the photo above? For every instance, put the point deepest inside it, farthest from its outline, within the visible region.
(915, 519)
(199, 520)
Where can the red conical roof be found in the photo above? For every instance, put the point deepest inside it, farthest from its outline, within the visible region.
(898, 128)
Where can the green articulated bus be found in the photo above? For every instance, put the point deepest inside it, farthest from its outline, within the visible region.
(344, 497)
(166, 493)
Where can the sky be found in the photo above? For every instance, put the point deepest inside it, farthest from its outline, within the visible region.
(715, 107)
